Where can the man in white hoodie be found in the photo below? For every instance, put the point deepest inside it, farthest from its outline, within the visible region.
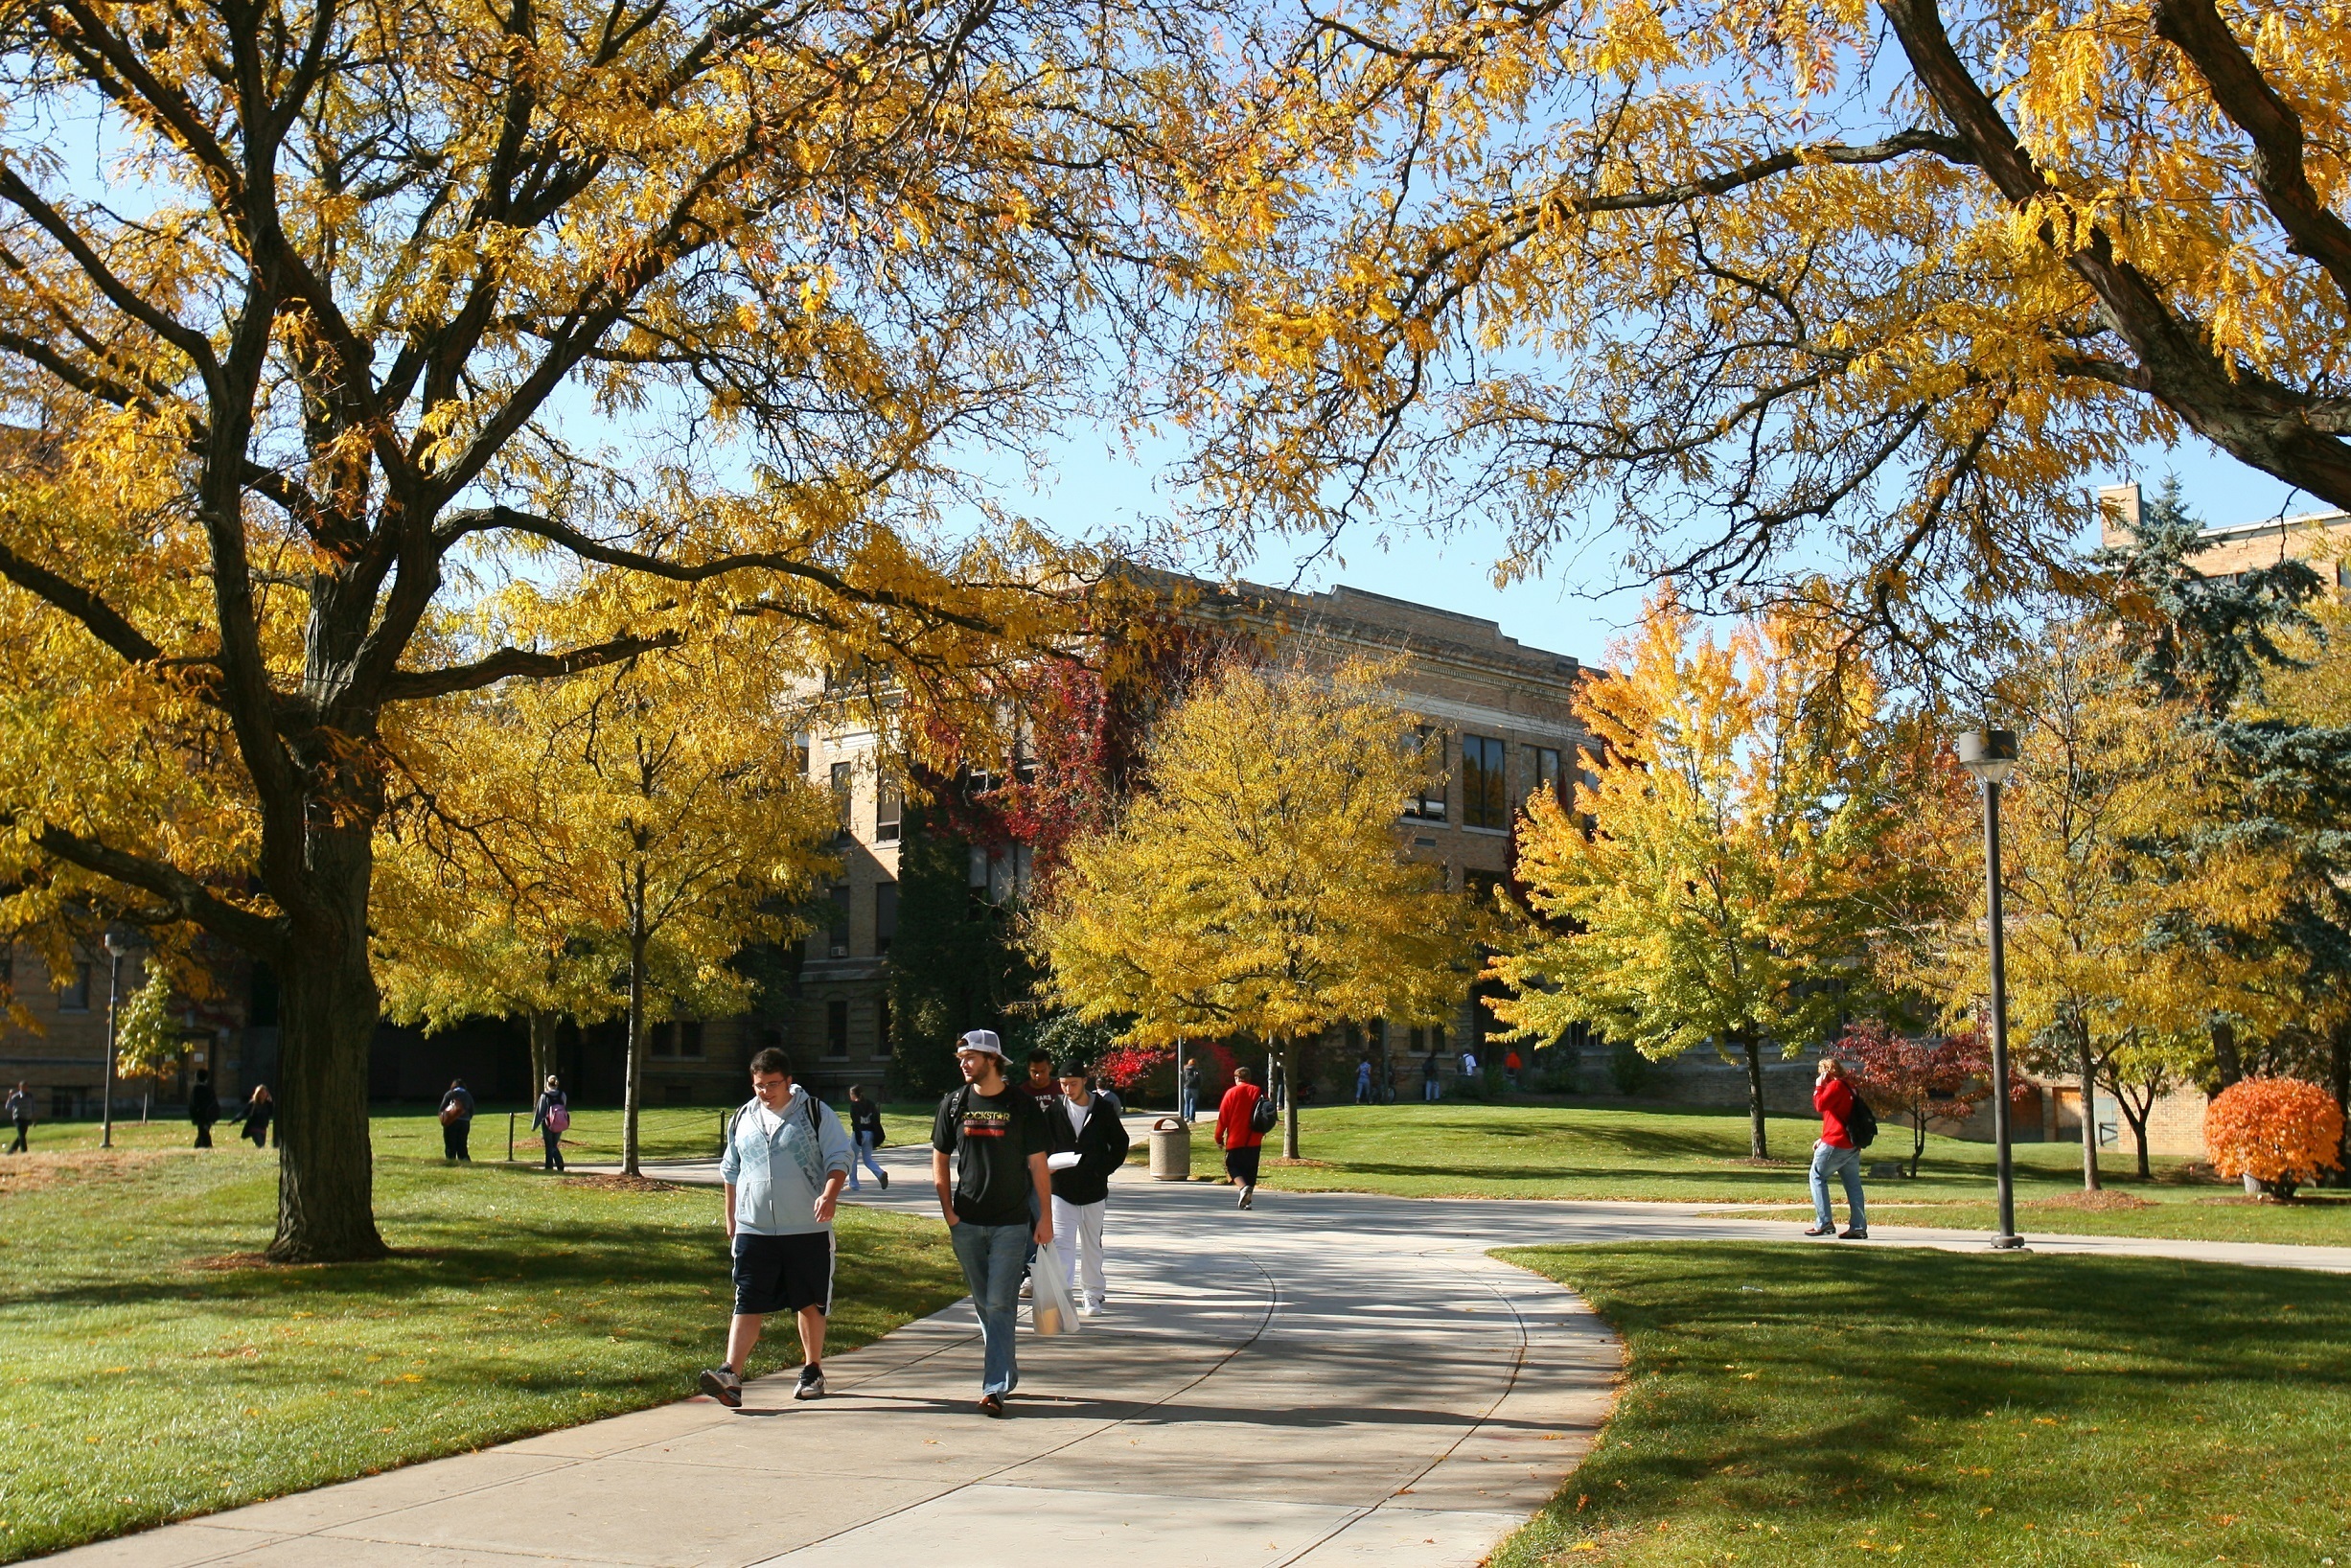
(787, 1156)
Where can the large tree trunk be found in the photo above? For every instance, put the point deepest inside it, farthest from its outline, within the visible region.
(1759, 1141)
(2228, 1065)
(327, 1010)
(1289, 1104)
(2089, 1107)
(542, 1027)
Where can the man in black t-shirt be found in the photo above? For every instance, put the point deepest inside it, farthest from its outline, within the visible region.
(996, 1196)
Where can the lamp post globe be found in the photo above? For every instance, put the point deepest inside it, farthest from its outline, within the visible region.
(1991, 755)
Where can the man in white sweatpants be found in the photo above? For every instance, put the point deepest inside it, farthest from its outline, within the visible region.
(1092, 1144)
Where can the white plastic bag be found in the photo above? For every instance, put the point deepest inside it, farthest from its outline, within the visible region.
(1050, 1309)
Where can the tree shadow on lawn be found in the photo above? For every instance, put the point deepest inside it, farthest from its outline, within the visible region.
(565, 1258)
(2044, 1388)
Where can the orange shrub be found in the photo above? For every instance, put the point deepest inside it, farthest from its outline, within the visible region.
(2282, 1132)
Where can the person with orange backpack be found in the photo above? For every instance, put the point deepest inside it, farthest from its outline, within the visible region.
(456, 1121)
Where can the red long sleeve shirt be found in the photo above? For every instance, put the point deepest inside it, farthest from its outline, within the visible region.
(1832, 1098)
(1233, 1114)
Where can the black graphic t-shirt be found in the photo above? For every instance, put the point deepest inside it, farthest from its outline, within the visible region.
(991, 1136)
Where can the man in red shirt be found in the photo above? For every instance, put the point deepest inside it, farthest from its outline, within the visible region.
(1236, 1134)
(1834, 1154)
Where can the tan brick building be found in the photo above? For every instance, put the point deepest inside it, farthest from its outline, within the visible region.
(1496, 709)
(2323, 539)
(62, 1055)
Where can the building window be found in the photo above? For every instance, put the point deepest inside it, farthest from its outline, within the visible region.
(837, 936)
(74, 996)
(881, 1027)
(689, 1038)
(1000, 872)
(844, 794)
(802, 753)
(662, 1040)
(888, 809)
(1547, 773)
(1430, 804)
(836, 1028)
(1486, 799)
(884, 916)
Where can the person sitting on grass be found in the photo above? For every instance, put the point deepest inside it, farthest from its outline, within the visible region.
(1835, 1155)
(787, 1157)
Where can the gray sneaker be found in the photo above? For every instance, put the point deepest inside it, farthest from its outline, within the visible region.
(723, 1385)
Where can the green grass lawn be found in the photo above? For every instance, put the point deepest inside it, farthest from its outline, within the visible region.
(1593, 1152)
(152, 1371)
(1791, 1405)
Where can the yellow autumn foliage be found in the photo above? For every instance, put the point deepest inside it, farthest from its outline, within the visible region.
(1256, 884)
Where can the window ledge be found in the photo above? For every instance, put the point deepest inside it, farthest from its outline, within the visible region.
(1490, 832)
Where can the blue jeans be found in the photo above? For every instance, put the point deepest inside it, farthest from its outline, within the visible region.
(864, 1157)
(1830, 1161)
(1188, 1105)
(991, 1255)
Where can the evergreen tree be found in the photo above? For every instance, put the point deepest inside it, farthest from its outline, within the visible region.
(2251, 653)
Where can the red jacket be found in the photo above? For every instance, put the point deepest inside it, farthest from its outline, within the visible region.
(1832, 1098)
(1233, 1114)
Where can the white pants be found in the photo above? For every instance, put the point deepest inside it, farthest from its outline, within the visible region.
(1078, 1228)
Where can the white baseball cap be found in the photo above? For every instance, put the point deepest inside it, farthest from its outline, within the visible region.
(982, 1039)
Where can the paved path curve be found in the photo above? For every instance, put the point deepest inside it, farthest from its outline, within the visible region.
(1266, 1389)
(1332, 1379)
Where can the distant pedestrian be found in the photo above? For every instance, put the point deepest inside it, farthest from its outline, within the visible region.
(1237, 1135)
(1432, 1081)
(1469, 1067)
(1363, 1081)
(1188, 1091)
(550, 1121)
(456, 1121)
(1046, 1090)
(1098, 1146)
(260, 1111)
(1510, 1066)
(787, 1156)
(988, 1150)
(203, 1108)
(1836, 1155)
(864, 1136)
(20, 1115)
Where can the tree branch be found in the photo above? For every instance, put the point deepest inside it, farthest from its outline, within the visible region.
(101, 619)
(413, 685)
(2196, 29)
(487, 519)
(259, 935)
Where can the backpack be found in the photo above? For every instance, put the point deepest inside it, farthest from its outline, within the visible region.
(1263, 1115)
(558, 1119)
(1861, 1122)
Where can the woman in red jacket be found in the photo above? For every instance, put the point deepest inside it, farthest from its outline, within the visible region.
(1236, 1134)
(1835, 1155)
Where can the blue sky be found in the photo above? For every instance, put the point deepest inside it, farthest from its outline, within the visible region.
(1581, 603)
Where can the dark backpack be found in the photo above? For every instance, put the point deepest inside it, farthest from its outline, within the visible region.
(1263, 1115)
(1861, 1122)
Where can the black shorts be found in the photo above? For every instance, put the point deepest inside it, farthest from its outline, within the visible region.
(783, 1273)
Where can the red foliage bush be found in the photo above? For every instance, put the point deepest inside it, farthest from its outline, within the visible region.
(2281, 1132)
(1925, 1080)
(1124, 1067)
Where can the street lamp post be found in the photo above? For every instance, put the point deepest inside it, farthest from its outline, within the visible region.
(118, 947)
(1991, 755)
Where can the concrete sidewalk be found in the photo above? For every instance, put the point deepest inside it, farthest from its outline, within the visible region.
(1332, 1379)
(1262, 1391)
